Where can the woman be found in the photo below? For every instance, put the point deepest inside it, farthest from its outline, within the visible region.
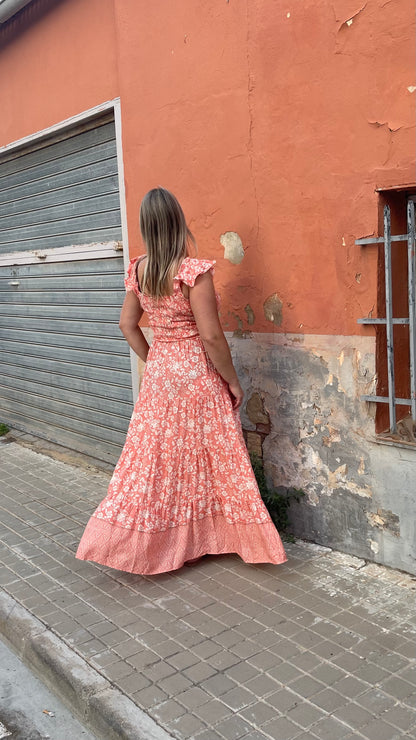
(183, 486)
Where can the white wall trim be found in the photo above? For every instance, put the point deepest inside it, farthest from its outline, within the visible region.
(124, 230)
(66, 123)
(71, 253)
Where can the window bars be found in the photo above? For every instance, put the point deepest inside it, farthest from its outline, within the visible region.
(389, 321)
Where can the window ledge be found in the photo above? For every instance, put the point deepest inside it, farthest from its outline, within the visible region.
(394, 441)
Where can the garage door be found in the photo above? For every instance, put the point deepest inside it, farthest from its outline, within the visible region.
(65, 368)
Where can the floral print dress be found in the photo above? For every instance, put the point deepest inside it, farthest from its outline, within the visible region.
(183, 486)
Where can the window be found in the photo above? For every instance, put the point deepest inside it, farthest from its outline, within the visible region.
(396, 322)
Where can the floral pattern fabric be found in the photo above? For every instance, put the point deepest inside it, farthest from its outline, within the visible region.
(183, 486)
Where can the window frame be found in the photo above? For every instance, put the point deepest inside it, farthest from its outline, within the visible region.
(388, 240)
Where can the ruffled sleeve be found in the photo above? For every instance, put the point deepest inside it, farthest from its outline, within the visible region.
(191, 268)
(130, 281)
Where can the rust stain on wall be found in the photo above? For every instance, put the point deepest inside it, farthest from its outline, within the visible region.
(250, 314)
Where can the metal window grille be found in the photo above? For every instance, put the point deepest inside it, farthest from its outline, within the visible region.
(389, 321)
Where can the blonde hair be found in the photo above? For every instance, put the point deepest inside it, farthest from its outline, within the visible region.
(166, 236)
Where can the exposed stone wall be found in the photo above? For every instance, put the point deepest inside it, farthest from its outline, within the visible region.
(304, 416)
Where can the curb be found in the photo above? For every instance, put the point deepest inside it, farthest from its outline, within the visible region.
(105, 710)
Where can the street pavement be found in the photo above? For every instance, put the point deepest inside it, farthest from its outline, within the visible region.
(28, 710)
(320, 648)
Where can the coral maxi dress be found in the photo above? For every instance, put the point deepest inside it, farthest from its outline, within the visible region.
(183, 486)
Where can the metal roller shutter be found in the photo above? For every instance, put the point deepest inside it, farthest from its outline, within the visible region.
(65, 367)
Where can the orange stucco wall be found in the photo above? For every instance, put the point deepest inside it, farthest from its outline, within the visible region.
(273, 120)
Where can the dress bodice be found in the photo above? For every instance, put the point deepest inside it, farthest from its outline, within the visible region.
(171, 317)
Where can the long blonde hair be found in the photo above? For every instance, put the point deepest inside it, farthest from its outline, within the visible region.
(166, 236)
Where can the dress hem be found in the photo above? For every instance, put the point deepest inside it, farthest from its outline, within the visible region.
(153, 553)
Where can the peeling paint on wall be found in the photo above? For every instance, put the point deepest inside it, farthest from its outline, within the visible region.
(233, 247)
(384, 519)
(256, 411)
(273, 309)
(320, 438)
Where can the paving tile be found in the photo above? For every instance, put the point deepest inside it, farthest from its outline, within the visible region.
(379, 730)
(259, 713)
(306, 686)
(206, 649)
(330, 729)
(233, 728)
(149, 696)
(128, 648)
(228, 638)
(168, 648)
(395, 686)
(213, 711)
(409, 674)
(305, 661)
(265, 660)
(327, 649)
(286, 650)
(280, 728)
(168, 710)
(353, 715)
(193, 697)
(199, 672)
(143, 659)
(158, 671)
(400, 717)
(348, 662)
(92, 647)
(283, 700)
(329, 700)
(133, 682)
(284, 673)
(242, 672)
(238, 698)
(350, 687)
(105, 658)
(262, 685)
(187, 726)
(175, 684)
(223, 660)
(305, 715)
(182, 660)
(328, 673)
(246, 649)
(391, 662)
(190, 638)
(209, 734)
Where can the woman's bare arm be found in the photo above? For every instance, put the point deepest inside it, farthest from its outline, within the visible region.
(131, 313)
(204, 308)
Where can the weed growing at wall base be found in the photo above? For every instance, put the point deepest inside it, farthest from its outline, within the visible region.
(3, 429)
(277, 500)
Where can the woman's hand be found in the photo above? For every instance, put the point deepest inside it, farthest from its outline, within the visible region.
(236, 393)
(131, 313)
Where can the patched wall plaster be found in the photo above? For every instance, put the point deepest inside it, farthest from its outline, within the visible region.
(233, 247)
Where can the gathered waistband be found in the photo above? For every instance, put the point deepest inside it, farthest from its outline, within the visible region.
(173, 338)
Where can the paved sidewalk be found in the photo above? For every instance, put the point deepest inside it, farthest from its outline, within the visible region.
(322, 647)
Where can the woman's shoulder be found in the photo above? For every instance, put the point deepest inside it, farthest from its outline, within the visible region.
(130, 280)
(191, 268)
